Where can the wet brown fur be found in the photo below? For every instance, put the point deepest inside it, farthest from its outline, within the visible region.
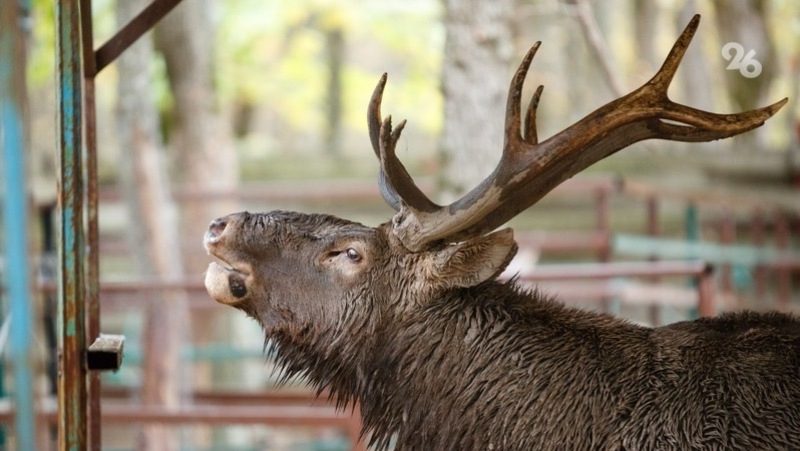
(495, 366)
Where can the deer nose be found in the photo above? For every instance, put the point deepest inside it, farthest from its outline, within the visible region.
(216, 228)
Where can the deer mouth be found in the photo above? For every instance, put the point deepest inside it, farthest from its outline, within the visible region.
(229, 267)
(226, 282)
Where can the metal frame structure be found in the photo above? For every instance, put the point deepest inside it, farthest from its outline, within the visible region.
(79, 310)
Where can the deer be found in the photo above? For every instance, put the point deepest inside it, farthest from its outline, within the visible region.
(409, 320)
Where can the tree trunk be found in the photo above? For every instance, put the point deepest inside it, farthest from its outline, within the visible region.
(479, 47)
(645, 14)
(334, 44)
(694, 76)
(200, 138)
(152, 231)
(745, 22)
(697, 88)
(202, 145)
(598, 47)
(793, 122)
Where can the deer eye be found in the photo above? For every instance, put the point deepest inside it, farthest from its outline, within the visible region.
(353, 255)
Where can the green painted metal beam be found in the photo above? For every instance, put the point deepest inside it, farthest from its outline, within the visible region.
(666, 248)
(72, 393)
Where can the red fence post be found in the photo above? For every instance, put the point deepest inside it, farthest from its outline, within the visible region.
(782, 239)
(705, 293)
(602, 221)
(653, 229)
(757, 237)
(727, 236)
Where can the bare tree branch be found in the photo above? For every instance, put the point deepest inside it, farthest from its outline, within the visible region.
(597, 44)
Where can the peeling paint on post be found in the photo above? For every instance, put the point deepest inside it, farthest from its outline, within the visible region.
(72, 365)
(92, 232)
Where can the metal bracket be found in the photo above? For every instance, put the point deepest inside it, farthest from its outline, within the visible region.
(105, 353)
(139, 25)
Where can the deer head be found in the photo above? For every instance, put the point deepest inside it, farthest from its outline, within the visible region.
(333, 293)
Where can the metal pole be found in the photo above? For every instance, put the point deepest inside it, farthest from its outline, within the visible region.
(15, 215)
(705, 294)
(782, 242)
(654, 230)
(602, 223)
(727, 236)
(691, 227)
(72, 365)
(757, 237)
(92, 232)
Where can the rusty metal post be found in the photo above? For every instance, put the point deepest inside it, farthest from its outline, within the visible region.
(782, 242)
(93, 247)
(602, 222)
(705, 293)
(603, 229)
(757, 237)
(79, 308)
(727, 236)
(71, 300)
(653, 229)
(131, 32)
(357, 442)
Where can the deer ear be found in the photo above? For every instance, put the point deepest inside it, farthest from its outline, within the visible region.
(474, 261)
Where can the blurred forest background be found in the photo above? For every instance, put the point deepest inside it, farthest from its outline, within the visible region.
(250, 104)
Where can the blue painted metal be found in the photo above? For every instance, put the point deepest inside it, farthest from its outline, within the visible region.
(15, 216)
(692, 223)
(739, 255)
(78, 401)
(692, 233)
(72, 392)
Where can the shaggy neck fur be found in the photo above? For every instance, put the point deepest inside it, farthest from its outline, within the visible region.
(491, 367)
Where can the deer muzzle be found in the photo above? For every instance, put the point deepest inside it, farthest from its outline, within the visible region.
(227, 278)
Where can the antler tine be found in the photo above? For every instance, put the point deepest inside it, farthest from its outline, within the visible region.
(662, 79)
(396, 174)
(531, 137)
(530, 169)
(388, 140)
(388, 193)
(707, 126)
(374, 114)
(396, 185)
(513, 132)
(700, 125)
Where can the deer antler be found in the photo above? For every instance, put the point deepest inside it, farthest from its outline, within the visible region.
(529, 169)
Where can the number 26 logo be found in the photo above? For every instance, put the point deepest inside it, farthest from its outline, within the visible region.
(745, 63)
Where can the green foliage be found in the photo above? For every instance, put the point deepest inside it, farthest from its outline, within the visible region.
(41, 62)
(273, 54)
